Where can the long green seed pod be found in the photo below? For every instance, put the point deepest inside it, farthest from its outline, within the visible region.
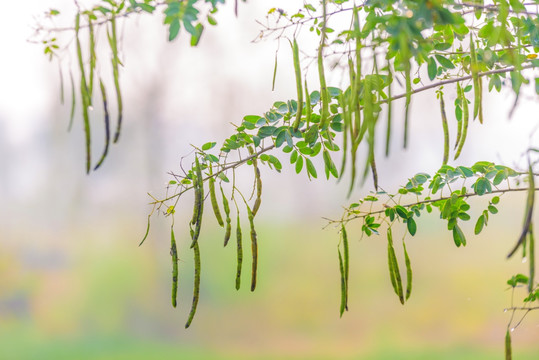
(459, 122)
(107, 125)
(196, 287)
(346, 123)
(531, 255)
(408, 80)
(214, 203)
(174, 255)
(258, 199)
(200, 186)
(196, 207)
(324, 95)
(478, 98)
(343, 284)
(393, 265)
(92, 58)
(62, 91)
(239, 253)
(408, 272)
(465, 118)
(84, 96)
(297, 70)
(309, 109)
(346, 263)
(508, 350)
(530, 201)
(357, 83)
(227, 214)
(389, 103)
(446, 130)
(73, 102)
(113, 41)
(254, 249)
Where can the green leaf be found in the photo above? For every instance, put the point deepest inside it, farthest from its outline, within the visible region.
(411, 225)
(401, 211)
(458, 236)
(310, 168)
(445, 62)
(432, 68)
(195, 38)
(174, 29)
(482, 186)
(493, 209)
(479, 225)
(495, 200)
(299, 164)
(207, 146)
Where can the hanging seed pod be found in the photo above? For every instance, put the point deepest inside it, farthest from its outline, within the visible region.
(73, 102)
(346, 123)
(174, 255)
(107, 125)
(389, 103)
(445, 129)
(214, 203)
(324, 95)
(465, 118)
(393, 265)
(297, 70)
(508, 350)
(92, 58)
(199, 201)
(254, 249)
(530, 201)
(408, 272)
(113, 42)
(85, 97)
(343, 284)
(239, 253)
(531, 255)
(227, 214)
(309, 109)
(478, 96)
(196, 287)
(346, 264)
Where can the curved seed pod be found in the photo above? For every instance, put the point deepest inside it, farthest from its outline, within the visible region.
(408, 80)
(531, 255)
(343, 284)
(113, 42)
(529, 211)
(346, 122)
(73, 102)
(92, 58)
(174, 255)
(459, 122)
(374, 171)
(107, 125)
(393, 265)
(200, 186)
(357, 84)
(478, 98)
(465, 117)
(196, 288)
(389, 103)
(324, 119)
(62, 91)
(239, 253)
(147, 231)
(258, 199)
(297, 70)
(214, 203)
(309, 109)
(254, 249)
(227, 214)
(85, 97)
(274, 72)
(446, 130)
(408, 272)
(508, 350)
(197, 204)
(346, 263)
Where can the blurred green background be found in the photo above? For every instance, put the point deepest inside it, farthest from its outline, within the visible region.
(75, 285)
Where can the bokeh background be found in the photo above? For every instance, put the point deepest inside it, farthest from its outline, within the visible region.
(75, 285)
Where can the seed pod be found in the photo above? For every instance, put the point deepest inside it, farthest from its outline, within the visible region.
(92, 57)
(196, 287)
(85, 97)
(389, 103)
(200, 202)
(343, 284)
(228, 220)
(107, 125)
(530, 201)
(346, 123)
(408, 80)
(465, 116)
(346, 263)
(113, 42)
(258, 199)
(393, 265)
(309, 109)
(531, 244)
(408, 272)
(214, 203)
(478, 105)
(324, 113)
(297, 70)
(508, 350)
(445, 129)
(254, 249)
(174, 255)
(239, 253)
(73, 102)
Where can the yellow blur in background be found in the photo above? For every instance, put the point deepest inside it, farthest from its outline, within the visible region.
(75, 285)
